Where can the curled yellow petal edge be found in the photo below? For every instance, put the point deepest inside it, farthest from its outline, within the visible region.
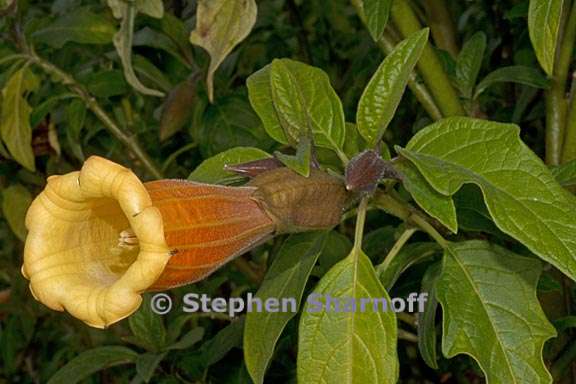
(72, 254)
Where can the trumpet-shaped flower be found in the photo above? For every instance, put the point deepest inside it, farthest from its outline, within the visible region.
(100, 237)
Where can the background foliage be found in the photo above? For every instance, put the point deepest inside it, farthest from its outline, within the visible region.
(134, 82)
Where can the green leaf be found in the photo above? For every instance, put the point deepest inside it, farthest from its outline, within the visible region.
(410, 254)
(151, 38)
(350, 346)
(147, 363)
(384, 91)
(565, 174)
(305, 103)
(177, 109)
(75, 115)
(123, 43)
(377, 13)
(520, 193)
(188, 340)
(148, 326)
(80, 26)
(227, 338)
(472, 212)
(337, 247)
(227, 124)
(15, 122)
(106, 83)
(260, 95)
(150, 74)
(152, 8)
(469, 62)
(220, 26)
(47, 106)
(491, 312)
(92, 361)
(300, 162)
(15, 202)
(544, 18)
(437, 205)
(286, 278)
(427, 319)
(211, 171)
(514, 74)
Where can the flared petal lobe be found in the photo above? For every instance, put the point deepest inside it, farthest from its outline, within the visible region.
(72, 255)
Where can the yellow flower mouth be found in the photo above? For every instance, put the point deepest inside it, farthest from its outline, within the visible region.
(95, 242)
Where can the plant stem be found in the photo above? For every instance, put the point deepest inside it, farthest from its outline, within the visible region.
(560, 366)
(566, 49)
(127, 140)
(360, 221)
(418, 89)
(386, 45)
(556, 105)
(429, 65)
(441, 25)
(408, 336)
(406, 212)
(404, 237)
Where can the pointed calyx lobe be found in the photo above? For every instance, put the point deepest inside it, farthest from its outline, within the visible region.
(365, 171)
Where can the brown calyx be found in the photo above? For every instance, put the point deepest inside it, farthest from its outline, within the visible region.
(297, 203)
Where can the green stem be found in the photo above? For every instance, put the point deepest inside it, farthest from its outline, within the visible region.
(360, 221)
(418, 89)
(386, 45)
(429, 64)
(409, 214)
(569, 149)
(398, 245)
(556, 105)
(441, 25)
(127, 140)
(560, 366)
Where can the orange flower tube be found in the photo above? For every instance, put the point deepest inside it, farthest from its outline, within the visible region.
(100, 237)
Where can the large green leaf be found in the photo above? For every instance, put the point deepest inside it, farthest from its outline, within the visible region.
(80, 26)
(92, 361)
(212, 170)
(286, 278)
(544, 17)
(220, 26)
(491, 312)
(15, 202)
(348, 346)
(514, 74)
(15, 119)
(437, 205)
(469, 62)
(386, 87)
(520, 192)
(292, 99)
(305, 102)
(123, 43)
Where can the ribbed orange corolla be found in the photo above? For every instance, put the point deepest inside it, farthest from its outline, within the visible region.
(100, 237)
